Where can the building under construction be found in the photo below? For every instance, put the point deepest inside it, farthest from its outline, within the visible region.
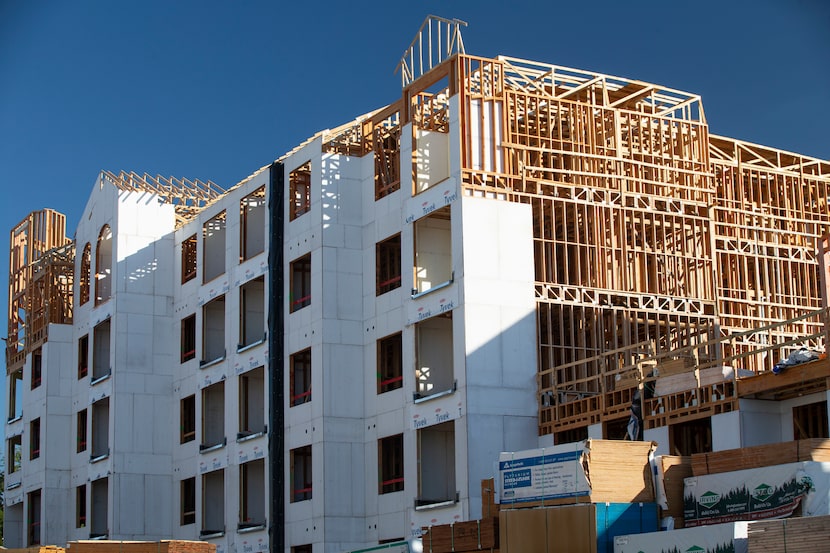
(512, 254)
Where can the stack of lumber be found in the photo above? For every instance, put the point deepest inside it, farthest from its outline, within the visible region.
(164, 546)
(675, 469)
(489, 507)
(619, 471)
(37, 549)
(760, 456)
(802, 535)
(475, 535)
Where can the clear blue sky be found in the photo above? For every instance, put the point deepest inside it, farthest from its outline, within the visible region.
(214, 90)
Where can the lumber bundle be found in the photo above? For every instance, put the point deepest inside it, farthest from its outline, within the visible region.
(760, 456)
(619, 471)
(674, 469)
(803, 534)
(474, 535)
(164, 546)
(489, 507)
(37, 549)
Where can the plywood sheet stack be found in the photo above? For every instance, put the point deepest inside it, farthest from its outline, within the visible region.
(164, 546)
(804, 535)
(619, 471)
(463, 537)
(674, 469)
(760, 456)
(37, 549)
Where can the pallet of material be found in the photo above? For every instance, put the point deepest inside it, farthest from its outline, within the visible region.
(802, 535)
(164, 546)
(474, 535)
(591, 471)
(760, 456)
(674, 469)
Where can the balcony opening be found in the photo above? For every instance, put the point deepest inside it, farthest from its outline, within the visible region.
(434, 372)
(299, 194)
(252, 313)
(80, 506)
(101, 351)
(83, 356)
(436, 464)
(252, 486)
(84, 281)
(213, 242)
(190, 258)
(188, 338)
(80, 431)
(430, 114)
(433, 252)
(188, 501)
(14, 454)
(103, 266)
(34, 439)
(100, 506)
(187, 419)
(300, 283)
(100, 429)
(386, 143)
(33, 518)
(690, 437)
(252, 403)
(37, 368)
(390, 464)
(301, 481)
(252, 217)
(390, 363)
(16, 395)
(213, 504)
(213, 416)
(213, 331)
(300, 377)
(388, 265)
(810, 421)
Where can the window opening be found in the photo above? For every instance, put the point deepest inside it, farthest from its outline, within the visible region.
(252, 216)
(100, 429)
(252, 488)
(213, 331)
(37, 368)
(810, 421)
(188, 338)
(252, 312)
(34, 439)
(390, 363)
(213, 416)
(300, 377)
(189, 258)
(434, 372)
(80, 506)
(213, 503)
(16, 395)
(101, 351)
(83, 356)
(390, 464)
(86, 268)
(103, 266)
(300, 283)
(436, 464)
(188, 501)
(252, 403)
(388, 264)
(213, 242)
(299, 191)
(80, 431)
(433, 251)
(14, 455)
(301, 474)
(187, 417)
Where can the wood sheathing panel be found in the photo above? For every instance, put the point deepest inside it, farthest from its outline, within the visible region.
(802, 535)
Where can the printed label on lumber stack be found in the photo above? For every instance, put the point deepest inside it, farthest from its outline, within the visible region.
(767, 492)
(539, 474)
